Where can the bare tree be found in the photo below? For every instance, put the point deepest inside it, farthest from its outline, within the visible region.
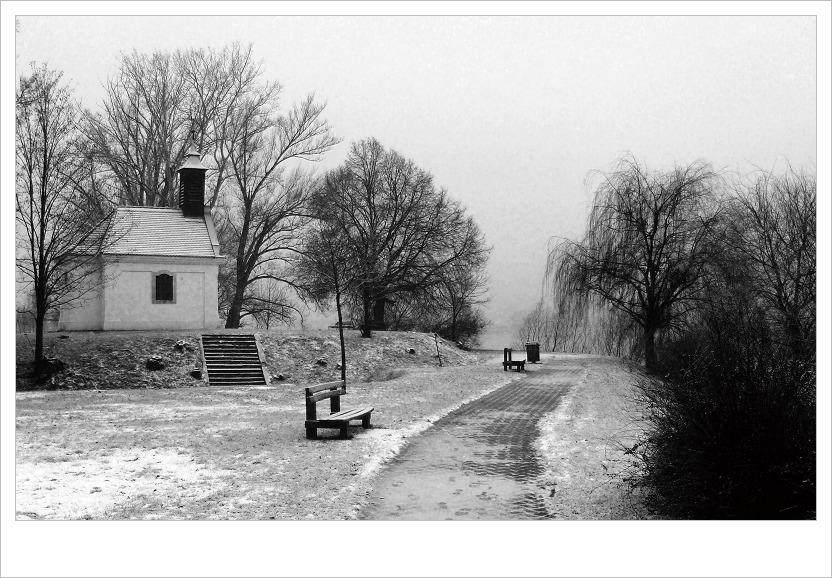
(268, 302)
(600, 329)
(153, 102)
(59, 235)
(399, 231)
(463, 286)
(533, 327)
(267, 208)
(140, 133)
(218, 82)
(324, 272)
(773, 240)
(648, 240)
(450, 306)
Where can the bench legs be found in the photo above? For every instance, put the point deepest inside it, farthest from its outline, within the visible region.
(312, 432)
(342, 426)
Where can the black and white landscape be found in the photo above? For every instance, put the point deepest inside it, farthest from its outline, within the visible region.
(417, 268)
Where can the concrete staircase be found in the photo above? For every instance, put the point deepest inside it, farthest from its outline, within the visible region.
(233, 359)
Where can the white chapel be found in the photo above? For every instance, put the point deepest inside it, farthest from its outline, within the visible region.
(159, 270)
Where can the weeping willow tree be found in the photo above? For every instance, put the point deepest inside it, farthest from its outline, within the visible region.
(567, 323)
(649, 238)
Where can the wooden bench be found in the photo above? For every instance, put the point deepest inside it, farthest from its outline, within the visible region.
(336, 419)
(507, 362)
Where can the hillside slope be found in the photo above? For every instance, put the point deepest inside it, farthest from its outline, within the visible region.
(116, 359)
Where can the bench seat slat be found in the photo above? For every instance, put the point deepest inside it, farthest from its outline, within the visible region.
(349, 414)
(346, 412)
(339, 421)
(342, 416)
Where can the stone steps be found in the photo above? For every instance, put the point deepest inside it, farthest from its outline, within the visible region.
(232, 359)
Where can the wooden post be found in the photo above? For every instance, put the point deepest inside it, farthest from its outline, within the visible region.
(311, 415)
(335, 403)
(439, 355)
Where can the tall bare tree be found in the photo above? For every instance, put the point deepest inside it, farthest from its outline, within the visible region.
(141, 130)
(218, 82)
(267, 207)
(648, 240)
(399, 231)
(153, 102)
(324, 272)
(57, 239)
(773, 240)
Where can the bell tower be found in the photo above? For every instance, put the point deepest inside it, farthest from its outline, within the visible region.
(192, 182)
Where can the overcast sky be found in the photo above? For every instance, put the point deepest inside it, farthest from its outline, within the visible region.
(510, 114)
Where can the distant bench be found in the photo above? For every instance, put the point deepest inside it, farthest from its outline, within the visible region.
(507, 362)
(342, 325)
(337, 419)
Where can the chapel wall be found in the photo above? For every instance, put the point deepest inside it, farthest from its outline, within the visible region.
(129, 304)
(84, 308)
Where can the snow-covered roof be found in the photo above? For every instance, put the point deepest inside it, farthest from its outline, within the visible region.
(162, 232)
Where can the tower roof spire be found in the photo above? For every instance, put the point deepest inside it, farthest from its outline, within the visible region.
(192, 160)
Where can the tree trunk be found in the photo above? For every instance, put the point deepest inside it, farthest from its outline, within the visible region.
(233, 319)
(40, 317)
(650, 361)
(366, 330)
(341, 331)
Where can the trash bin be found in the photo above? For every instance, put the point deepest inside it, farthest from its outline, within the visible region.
(532, 352)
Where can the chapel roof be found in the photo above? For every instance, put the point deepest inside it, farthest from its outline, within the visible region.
(163, 232)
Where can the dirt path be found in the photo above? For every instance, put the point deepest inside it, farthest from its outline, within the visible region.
(480, 461)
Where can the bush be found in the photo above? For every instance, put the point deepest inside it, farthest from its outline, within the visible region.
(731, 433)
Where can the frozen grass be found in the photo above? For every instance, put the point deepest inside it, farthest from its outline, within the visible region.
(217, 453)
(585, 443)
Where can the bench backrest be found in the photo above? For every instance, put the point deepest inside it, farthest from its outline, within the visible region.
(332, 390)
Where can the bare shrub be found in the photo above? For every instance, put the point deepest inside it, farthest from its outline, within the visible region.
(732, 427)
(721, 291)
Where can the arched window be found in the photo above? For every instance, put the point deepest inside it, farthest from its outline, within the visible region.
(163, 288)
